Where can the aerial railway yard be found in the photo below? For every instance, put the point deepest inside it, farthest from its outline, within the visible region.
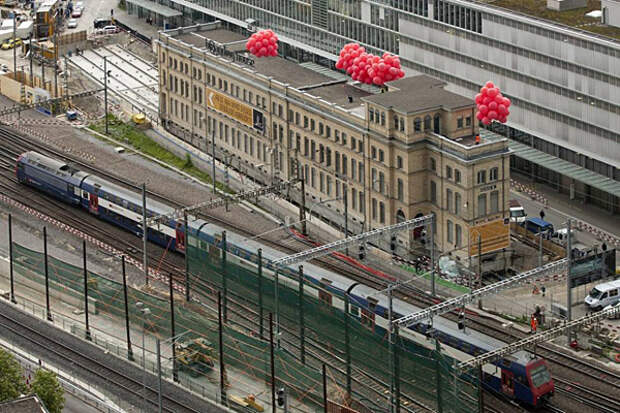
(571, 372)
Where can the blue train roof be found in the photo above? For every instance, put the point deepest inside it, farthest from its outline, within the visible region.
(53, 166)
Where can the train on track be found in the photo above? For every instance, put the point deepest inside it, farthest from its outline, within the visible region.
(521, 376)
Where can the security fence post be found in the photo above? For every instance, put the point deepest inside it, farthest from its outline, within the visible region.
(129, 351)
(11, 260)
(438, 375)
(272, 365)
(480, 391)
(85, 291)
(221, 337)
(324, 388)
(187, 297)
(302, 328)
(347, 344)
(260, 292)
(224, 287)
(175, 373)
(47, 277)
(395, 350)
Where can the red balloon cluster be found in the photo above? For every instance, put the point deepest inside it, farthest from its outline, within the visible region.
(491, 104)
(368, 68)
(263, 43)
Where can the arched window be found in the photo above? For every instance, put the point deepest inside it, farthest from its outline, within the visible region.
(427, 122)
(417, 125)
(400, 216)
(436, 123)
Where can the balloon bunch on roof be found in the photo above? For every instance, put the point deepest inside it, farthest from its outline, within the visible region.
(368, 68)
(491, 104)
(263, 43)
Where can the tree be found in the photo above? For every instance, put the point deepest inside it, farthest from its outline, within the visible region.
(12, 383)
(46, 386)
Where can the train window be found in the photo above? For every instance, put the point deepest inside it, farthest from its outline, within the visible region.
(85, 195)
(324, 294)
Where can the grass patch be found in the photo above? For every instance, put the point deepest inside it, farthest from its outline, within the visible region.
(129, 134)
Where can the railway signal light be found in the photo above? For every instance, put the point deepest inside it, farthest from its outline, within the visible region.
(280, 397)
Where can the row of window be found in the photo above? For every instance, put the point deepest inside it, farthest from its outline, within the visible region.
(453, 201)
(449, 170)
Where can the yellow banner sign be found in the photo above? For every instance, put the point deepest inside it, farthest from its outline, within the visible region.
(230, 107)
(489, 237)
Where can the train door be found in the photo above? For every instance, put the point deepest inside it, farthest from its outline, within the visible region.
(93, 203)
(508, 384)
(180, 245)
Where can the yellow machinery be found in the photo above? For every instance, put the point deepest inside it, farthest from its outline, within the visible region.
(195, 356)
(248, 402)
(140, 120)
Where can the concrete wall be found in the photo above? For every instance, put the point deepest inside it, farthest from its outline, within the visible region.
(562, 5)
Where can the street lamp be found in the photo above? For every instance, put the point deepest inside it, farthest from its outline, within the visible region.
(145, 312)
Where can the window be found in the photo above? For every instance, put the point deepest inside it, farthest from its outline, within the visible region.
(381, 212)
(457, 203)
(467, 123)
(382, 118)
(399, 189)
(459, 123)
(482, 205)
(312, 124)
(306, 122)
(449, 231)
(449, 200)
(312, 150)
(437, 123)
(321, 153)
(328, 131)
(493, 174)
(321, 182)
(381, 182)
(433, 192)
(427, 122)
(433, 164)
(361, 203)
(372, 115)
(373, 152)
(329, 185)
(457, 176)
(381, 155)
(344, 164)
(344, 139)
(448, 172)
(374, 209)
(353, 198)
(402, 125)
(353, 143)
(399, 162)
(313, 177)
(328, 156)
(417, 125)
(306, 146)
(321, 128)
(482, 177)
(494, 202)
(353, 168)
(395, 122)
(459, 235)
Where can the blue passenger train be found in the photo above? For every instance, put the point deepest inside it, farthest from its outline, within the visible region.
(521, 376)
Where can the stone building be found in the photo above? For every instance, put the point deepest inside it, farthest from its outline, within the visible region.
(397, 153)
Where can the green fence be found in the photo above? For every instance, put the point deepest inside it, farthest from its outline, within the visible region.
(315, 332)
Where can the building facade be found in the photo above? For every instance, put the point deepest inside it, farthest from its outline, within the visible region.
(407, 152)
(564, 83)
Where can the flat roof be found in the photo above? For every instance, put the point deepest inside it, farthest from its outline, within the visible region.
(339, 94)
(156, 8)
(417, 94)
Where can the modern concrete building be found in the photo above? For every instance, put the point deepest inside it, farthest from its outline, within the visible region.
(397, 153)
(564, 82)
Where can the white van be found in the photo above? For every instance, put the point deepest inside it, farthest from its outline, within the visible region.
(603, 295)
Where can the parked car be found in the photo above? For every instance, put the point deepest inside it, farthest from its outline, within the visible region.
(603, 295)
(11, 43)
(76, 13)
(537, 225)
(517, 212)
(72, 24)
(108, 30)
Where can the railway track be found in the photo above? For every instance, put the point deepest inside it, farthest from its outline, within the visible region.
(602, 402)
(596, 375)
(61, 349)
